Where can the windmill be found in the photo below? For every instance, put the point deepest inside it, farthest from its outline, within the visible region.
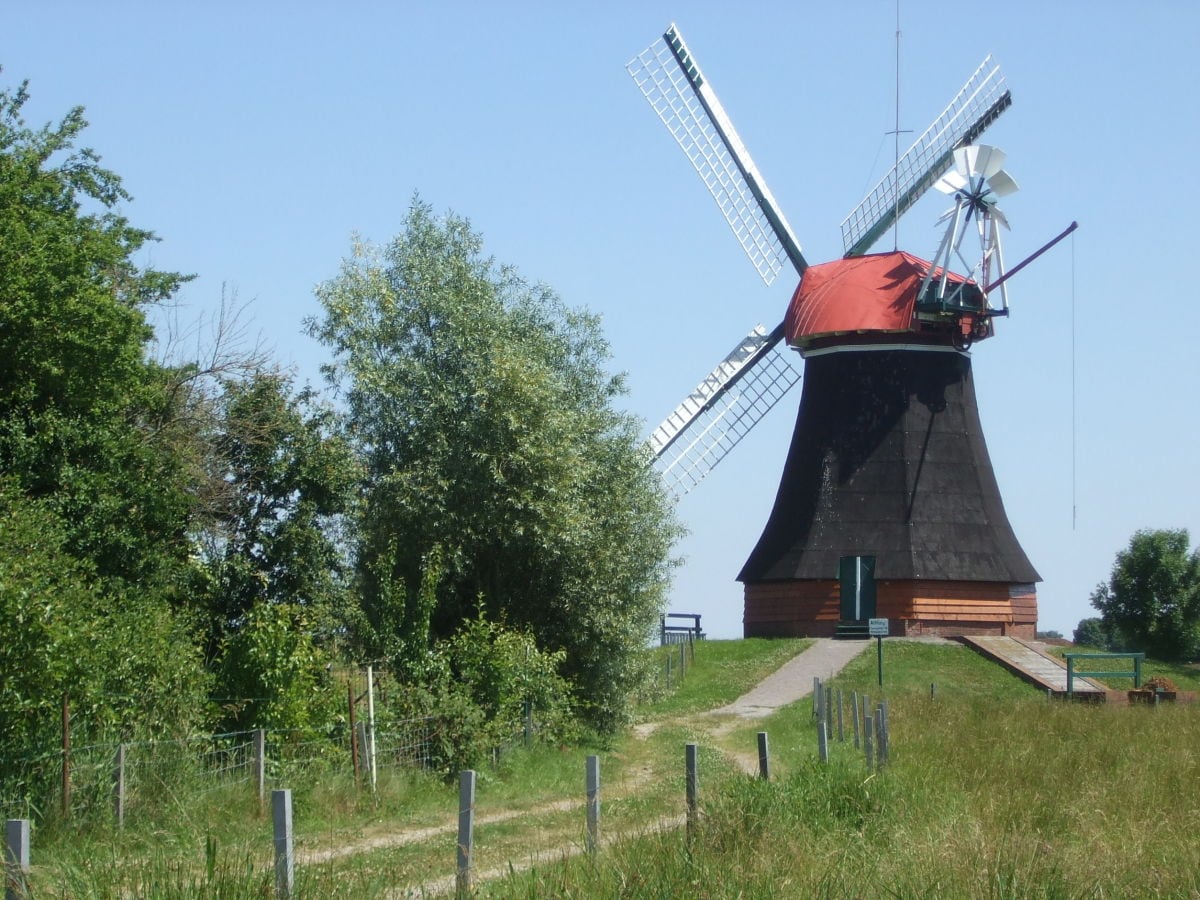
(887, 505)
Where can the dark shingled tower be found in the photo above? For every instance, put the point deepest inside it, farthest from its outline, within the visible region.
(888, 460)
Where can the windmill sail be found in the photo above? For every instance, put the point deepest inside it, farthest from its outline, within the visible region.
(982, 99)
(722, 409)
(671, 81)
(752, 379)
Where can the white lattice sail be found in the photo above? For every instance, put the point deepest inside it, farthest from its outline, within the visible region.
(671, 81)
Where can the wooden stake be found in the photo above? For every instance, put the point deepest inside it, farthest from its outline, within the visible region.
(66, 756)
(285, 863)
(354, 751)
(466, 830)
(693, 790)
(593, 804)
(119, 786)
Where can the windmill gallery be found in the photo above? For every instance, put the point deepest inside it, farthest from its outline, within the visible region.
(887, 505)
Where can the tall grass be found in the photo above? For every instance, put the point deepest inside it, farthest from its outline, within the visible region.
(992, 791)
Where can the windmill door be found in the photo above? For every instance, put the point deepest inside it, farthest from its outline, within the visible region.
(856, 575)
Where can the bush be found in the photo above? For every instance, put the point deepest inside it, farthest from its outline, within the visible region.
(127, 662)
(502, 671)
(475, 686)
(273, 674)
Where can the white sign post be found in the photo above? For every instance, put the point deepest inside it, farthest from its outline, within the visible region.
(878, 629)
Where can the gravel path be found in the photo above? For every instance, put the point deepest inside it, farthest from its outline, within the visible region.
(794, 679)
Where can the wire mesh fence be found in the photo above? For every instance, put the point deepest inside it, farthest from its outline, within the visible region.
(102, 779)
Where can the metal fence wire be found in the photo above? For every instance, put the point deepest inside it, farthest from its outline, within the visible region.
(140, 770)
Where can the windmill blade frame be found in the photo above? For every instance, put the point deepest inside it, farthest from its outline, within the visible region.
(979, 103)
(671, 81)
(730, 401)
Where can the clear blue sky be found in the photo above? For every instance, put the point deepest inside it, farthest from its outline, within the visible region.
(257, 137)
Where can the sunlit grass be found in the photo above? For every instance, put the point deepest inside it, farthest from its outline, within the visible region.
(721, 672)
(992, 791)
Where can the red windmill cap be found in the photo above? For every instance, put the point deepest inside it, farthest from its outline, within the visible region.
(875, 293)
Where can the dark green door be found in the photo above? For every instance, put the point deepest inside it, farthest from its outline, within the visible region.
(857, 577)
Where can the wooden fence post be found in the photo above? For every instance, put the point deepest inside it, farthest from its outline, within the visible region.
(16, 859)
(364, 760)
(285, 863)
(466, 829)
(764, 757)
(816, 694)
(593, 804)
(260, 765)
(881, 731)
(827, 708)
(868, 747)
(822, 741)
(371, 726)
(854, 716)
(354, 745)
(119, 786)
(66, 756)
(693, 790)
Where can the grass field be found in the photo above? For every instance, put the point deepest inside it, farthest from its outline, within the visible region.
(992, 791)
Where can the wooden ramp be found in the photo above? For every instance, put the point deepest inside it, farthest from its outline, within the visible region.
(1032, 665)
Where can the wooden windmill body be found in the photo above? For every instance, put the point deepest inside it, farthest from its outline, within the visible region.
(887, 465)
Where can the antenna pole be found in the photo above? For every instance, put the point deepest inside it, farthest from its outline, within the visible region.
(896, 134)
(1074, 455)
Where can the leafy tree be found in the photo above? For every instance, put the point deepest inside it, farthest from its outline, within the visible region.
(95, 499)
(484, 415)
(1153, 595)
(1091, 633)
(84, 416)
(282, 481)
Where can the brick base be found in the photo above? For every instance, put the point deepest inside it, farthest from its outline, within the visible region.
(915, 608)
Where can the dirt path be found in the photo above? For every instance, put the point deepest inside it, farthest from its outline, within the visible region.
(791, 682)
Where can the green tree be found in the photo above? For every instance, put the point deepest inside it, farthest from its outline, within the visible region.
(283, 480)
(85, 418)
(1152, 598)
(485, 417)
(96, 500)
(1091, 633)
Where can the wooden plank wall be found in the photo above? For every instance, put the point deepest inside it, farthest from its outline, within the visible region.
(916, 607)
